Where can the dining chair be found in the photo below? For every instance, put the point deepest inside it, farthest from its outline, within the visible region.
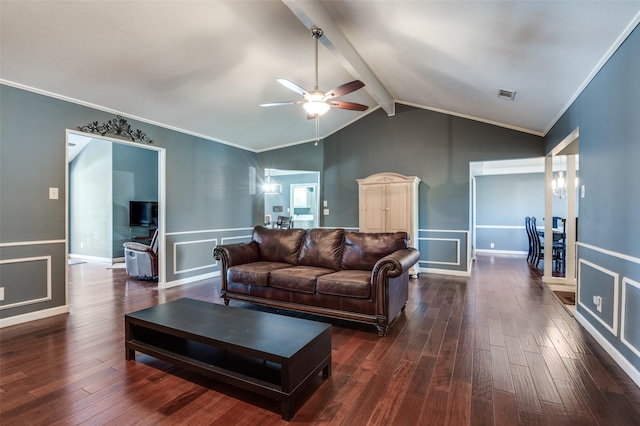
(538, 243)
(527, 228)
(283, 222)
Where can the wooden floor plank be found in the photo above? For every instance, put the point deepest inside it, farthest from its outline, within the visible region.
(501, 370)
(495, 348)
(542, 379)
(482, 413)
(526, 394)
(505, 408)
(482, 385)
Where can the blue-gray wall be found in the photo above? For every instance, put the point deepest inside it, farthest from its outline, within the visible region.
(433, 146)
(607, 114)
(502, 203)
(135, 178)
(210, 199)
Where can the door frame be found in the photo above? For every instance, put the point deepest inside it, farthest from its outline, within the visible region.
(162, 196)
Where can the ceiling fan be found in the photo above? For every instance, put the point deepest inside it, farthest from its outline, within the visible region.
(316, 102)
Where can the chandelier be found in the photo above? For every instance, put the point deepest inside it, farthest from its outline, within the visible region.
(270, 187)
(559, 186)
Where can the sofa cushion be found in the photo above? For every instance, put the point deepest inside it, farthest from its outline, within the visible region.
(256, 273)
(362, 250)
(351, 283)
(298, 278)
(323, 248)
(278, 245)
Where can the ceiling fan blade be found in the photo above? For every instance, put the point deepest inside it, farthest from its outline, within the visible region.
(348, 105)
(292, 86)
(343, 89)
(270, 104)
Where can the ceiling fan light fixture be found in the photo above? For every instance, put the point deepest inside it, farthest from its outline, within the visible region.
(316, 107)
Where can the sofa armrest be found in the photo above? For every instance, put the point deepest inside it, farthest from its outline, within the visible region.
(396, 264)
(236, 254)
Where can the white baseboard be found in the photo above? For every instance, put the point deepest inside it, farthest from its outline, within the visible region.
(32, 316)
(92, 258)
(189, 280)
(445, 272)
(493, 251)
(610, 349)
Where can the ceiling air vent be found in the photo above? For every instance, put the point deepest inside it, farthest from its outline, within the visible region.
(506, 94)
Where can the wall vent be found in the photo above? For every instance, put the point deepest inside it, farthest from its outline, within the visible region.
(506, 94)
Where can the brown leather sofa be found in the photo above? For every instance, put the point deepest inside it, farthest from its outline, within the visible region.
(332, 272)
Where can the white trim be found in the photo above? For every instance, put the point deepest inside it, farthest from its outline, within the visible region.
(461, 231)
(596, 70)
(616, 288)
(188, 280)
(456, 241)
(207, 231)
(502, 226)
(116, 112)
(32, 316)
(493, 251)
(93, 258)
(474, 118)
(438, 271)
(559, 281)
(162, 196)
(609, 252)
(224, 239)
(625, 281)
(46, 298)
(31, 243)
(575, 134)
(175, 256)
(624, 363)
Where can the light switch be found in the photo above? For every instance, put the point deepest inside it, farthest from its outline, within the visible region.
(53, 193)
(325, 212)
(582, 191)
(324, 203)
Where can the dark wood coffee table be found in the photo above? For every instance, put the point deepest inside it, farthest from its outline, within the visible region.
(273, 355)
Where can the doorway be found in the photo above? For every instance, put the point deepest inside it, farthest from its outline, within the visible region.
(292, 193)
(76, 142)
(563, 188)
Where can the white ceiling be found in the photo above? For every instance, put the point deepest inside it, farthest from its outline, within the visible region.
(204, 66)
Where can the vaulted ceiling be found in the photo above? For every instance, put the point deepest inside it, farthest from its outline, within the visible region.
(204, 67)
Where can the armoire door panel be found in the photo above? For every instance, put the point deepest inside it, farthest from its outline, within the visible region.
(373, 209)
(397, 207)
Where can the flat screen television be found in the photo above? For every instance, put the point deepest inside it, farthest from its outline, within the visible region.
(143, 213)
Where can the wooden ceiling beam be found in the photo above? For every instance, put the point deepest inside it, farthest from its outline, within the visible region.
(312, 13)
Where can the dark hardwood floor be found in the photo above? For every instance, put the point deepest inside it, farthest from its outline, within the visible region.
(493, 349)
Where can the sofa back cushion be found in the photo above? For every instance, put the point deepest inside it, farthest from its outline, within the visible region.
(278, 245)
(363, 250)
(322, 248)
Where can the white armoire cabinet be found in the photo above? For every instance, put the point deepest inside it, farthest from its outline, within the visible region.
(389, 203)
